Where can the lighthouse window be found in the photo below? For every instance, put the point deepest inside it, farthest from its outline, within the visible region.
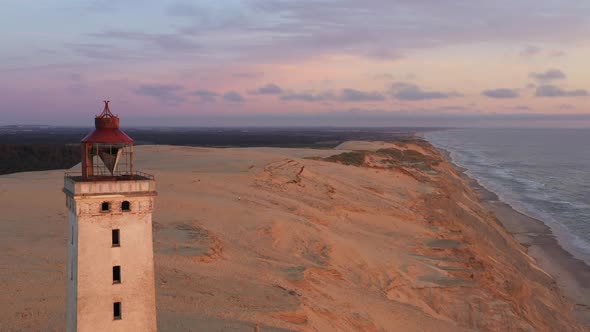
(117, 310)
(116, 242)
(116, 274)
(125, 206)
(105, 207)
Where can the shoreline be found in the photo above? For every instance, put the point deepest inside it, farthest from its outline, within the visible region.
(571, 274)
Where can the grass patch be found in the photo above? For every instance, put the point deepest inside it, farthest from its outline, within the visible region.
(355, 158)
(410, 158)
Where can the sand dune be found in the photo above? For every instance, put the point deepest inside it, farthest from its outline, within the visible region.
(283, 239)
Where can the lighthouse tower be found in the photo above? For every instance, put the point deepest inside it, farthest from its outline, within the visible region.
(110, 251)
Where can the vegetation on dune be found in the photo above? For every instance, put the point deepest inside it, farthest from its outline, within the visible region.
(409, 160)
(355, 158)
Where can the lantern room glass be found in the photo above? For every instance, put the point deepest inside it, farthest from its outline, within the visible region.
(110, 160)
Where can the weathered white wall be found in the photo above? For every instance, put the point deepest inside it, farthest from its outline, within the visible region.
(72, 268)
(94, 292)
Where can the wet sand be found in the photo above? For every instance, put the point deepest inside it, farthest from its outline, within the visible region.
(571, 274)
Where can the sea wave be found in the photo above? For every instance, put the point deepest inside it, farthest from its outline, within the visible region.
(530, 184)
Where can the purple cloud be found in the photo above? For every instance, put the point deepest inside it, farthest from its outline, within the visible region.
(554, 91)
(548, 76)
(248, 75)
(501, 93)
(269, 89)
(530, 51)
(522, 108)
(344, 95)
(166, 93)
(277, 29)
(233, 97)
(206, 95)
(412, 92)
(566, 106)
(305, 96)
(558, 54)
(166, 42)
(352, 95)
(384, 54)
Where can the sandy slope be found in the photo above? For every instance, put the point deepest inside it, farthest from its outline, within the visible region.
(246, 236)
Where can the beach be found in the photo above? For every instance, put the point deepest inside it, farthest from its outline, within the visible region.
(572, 274)
(369, 236)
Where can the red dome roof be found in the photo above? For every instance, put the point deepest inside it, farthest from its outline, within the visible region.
(107, 136)
(107, 129)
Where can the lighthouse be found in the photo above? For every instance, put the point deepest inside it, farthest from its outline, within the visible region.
(110, 270)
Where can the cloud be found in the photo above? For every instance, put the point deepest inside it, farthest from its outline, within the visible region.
(266, 30)
(390, 77)
(557, 54)
(77, 77)
(102, 51)
(233, 97)
(206, 95)
(166, 93)
(412, 92)
(383, 54)
(554, 91)
(248, 75)
(453, 108)
(344, 95)
(384, 76)
(566, 106)
(501, 93)
(166, 42)
(522, 108)
(530, 51)
(269, 89)
(271, 29)
(352, 95)
(305, 96)
(548, 76)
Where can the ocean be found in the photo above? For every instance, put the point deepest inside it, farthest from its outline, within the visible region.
(543, 173)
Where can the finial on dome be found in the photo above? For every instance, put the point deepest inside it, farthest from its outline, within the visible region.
(106, 112)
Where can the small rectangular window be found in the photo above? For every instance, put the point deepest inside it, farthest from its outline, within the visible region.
(116, 274)
(117, 310)
(115, 237)
(105, 207)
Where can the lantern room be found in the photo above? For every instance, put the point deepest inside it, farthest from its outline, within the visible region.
(107, 152)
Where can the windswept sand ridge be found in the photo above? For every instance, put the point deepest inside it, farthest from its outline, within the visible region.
(246, 236)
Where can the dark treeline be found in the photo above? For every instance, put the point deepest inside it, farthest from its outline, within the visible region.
(268, 137)
(42, 148)
(37, 157)
(213, 137)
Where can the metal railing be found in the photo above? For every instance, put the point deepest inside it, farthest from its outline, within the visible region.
(136, 175)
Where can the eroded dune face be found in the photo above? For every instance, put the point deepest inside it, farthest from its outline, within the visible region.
(295, 240)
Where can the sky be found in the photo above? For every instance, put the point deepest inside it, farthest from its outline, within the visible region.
(500, 63)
